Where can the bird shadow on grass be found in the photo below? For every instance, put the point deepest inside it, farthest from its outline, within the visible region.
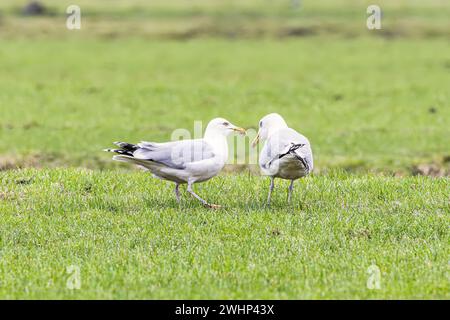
(185, 204)
(229, 203)
(188, 204)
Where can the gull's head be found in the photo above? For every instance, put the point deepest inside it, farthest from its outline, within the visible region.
(268, 125)
(223, 127)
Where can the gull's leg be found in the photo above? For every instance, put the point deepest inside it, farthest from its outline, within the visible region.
(270, 190)
(291, 187)
(177, 192)
(206, 204)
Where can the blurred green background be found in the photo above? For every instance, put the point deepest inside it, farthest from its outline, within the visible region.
(373, 100)
(369, 100)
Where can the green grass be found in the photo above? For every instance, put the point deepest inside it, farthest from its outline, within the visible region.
(375, 104)
(227, 19)
(364, 103)
(130, 238)
(368, 100)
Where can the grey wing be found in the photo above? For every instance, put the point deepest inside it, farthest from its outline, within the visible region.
(272, 150)
(176, 154)
(269, 152)
(286, 141)
(305, 153)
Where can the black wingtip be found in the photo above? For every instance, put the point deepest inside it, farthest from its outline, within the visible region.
(119, 151)
(126, 146)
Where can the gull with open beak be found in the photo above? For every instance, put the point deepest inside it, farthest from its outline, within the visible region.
(185, 161)
(286, 154)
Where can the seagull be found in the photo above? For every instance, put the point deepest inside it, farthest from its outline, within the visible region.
(287, 154)
(184, 161)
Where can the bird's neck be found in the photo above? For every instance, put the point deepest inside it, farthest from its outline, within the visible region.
(274, 129)
(219, 144)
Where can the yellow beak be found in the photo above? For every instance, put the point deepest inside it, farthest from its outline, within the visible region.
(240, 130)
(255, 141)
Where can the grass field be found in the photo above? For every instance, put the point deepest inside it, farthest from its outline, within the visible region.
(131, 239)
(66, 111)
(375, 105)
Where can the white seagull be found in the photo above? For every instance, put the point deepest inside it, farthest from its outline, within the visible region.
(185, 161)
(287, 154)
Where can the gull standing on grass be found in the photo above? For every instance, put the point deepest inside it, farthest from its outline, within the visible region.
(287, 154)
(185, 161)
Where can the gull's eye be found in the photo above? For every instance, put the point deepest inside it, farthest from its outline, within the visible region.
(260, 124)
(226, 124)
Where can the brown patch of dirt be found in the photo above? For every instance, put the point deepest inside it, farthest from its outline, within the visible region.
(275, 232)
(297, 32)
(360, 233)
(431, 170)
(8, 162)
(241, 168)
